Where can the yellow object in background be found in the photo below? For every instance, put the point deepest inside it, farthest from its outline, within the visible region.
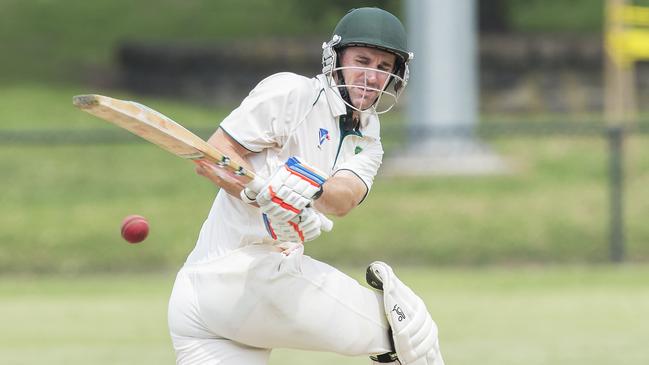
(627, 34)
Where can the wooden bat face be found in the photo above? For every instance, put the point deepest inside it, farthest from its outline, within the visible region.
(157, 129)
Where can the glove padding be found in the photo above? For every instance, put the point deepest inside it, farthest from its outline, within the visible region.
(413, 330)
(292, 187)
(305, 227)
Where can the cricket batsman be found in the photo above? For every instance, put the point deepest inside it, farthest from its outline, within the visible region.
(247, 286)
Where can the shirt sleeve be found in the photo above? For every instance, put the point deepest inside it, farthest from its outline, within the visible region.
(365, 164)
(268, 114)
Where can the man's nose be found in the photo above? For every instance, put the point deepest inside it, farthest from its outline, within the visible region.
(371, 77)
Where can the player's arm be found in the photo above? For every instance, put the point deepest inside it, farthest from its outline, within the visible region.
(237, 153)
(341, 193)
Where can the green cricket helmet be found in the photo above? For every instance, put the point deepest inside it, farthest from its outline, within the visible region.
(375, 28)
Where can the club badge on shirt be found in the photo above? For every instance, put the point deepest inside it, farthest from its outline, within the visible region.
(323, 137)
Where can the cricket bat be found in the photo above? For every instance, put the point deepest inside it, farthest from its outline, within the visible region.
(162, 131)
(159, 130)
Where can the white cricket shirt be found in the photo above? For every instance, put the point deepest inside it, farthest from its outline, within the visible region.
(287, 115)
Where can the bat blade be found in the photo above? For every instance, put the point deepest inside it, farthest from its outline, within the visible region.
(158, 129)
(144, 122)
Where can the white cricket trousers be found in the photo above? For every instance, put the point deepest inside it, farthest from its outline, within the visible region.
(234, 309)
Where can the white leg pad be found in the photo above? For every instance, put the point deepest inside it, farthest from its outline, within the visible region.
(414, 331)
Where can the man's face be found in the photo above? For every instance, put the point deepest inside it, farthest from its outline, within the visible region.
(376, 68)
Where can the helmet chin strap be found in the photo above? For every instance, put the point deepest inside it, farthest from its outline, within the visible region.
(347, 121)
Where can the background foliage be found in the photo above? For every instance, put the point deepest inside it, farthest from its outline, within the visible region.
(63, 40)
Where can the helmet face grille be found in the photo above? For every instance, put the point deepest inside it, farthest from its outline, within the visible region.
(374, 28)
(379, 99)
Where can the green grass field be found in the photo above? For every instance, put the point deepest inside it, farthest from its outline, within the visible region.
(482, 251)
(72, 292)
(62, 202)
(568, 315)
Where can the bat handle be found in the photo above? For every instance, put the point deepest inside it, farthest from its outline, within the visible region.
(251, 190)
(325, 223)
(255, 185)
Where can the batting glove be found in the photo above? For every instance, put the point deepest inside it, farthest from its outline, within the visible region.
(303, 228)
(294, 186)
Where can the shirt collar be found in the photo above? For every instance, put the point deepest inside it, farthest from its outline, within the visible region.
(367, 117)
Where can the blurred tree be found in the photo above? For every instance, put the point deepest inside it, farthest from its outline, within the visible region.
(555, 15)
(318, 11)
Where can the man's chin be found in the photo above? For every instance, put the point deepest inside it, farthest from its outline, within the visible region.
(363, 104)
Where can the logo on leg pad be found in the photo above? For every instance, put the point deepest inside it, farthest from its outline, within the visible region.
(400, 315)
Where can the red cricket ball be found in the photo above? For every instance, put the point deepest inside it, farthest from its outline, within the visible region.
(135, 228)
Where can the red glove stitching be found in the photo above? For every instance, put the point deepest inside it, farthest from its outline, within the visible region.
(297, 229)
(277, 200)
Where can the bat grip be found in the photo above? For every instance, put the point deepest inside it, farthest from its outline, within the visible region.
(251, 190)
(325, 223)
(255, 185)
